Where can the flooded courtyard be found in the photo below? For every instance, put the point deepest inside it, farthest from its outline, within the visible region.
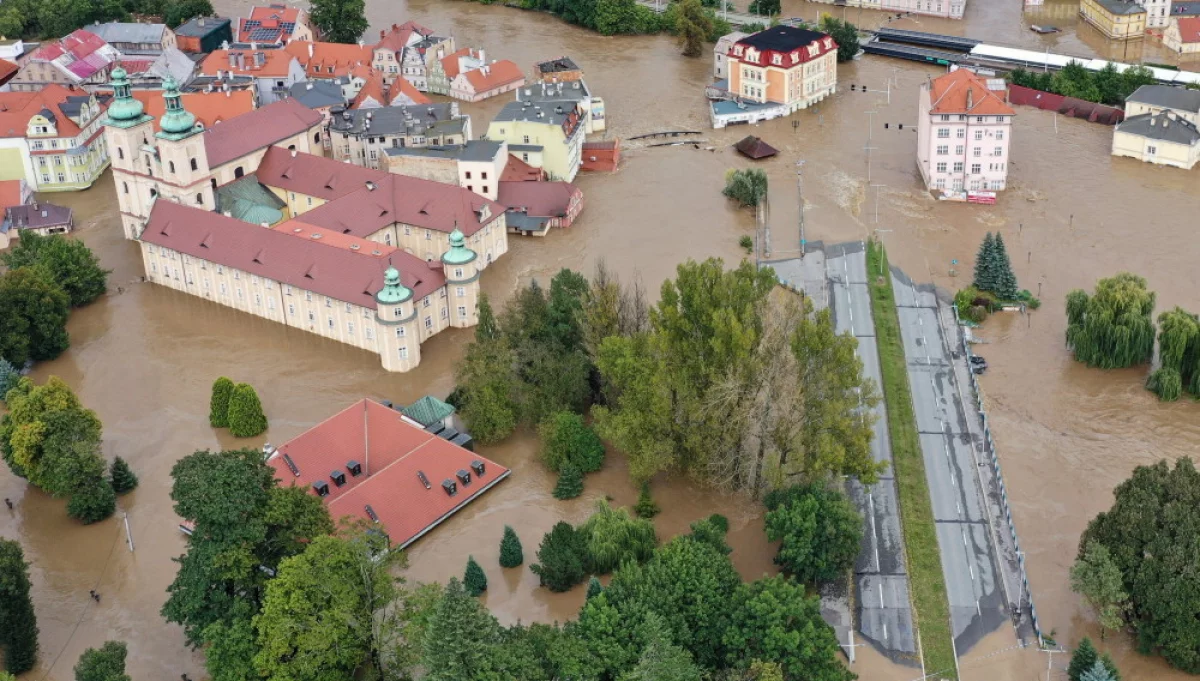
(144, 359)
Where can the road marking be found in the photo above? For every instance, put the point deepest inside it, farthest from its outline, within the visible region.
(885, 631)
(964, 538)
(971, 569)
(874, 534)
(881, 605)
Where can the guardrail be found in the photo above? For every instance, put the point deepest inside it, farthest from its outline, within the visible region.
(990, 447)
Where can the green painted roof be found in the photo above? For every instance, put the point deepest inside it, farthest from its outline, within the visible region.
(177, 122)
(458, 254)
(125, 111)
(428, 410)
(249, 201)
(393, 292)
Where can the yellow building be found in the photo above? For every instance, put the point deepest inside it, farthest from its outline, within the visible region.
(1160, 138)
(1183, 36)
(547, 135)
(1117, 19)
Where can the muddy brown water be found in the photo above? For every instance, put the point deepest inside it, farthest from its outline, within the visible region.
(144, 359)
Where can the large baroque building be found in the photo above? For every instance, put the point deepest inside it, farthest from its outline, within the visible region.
(775, 72)
(374, 260)
(964, 129)
(947, 9)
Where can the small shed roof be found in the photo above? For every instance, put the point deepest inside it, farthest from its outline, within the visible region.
(428, 410)
(755, 148)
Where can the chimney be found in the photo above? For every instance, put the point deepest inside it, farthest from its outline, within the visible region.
(293, 153)
(201, 22)
(382, 35)
(310, 50)
(233, 59)
(308, 85)
(260, 58)
(228, 94)
(970, 98)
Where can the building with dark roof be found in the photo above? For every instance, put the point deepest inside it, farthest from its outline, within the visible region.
(779, 70)
(557, 70)
(362, 136)
(375, 463)
(476, 165)
(135, 38)
(1162, 138)
(1158, 98)
(534, 208)
(571, 91)
(42, 218)
(201, 35)
(548, 135)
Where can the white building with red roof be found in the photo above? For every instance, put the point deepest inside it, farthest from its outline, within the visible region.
(245, 215)
(486, 80)
(1183, 35)
(372, 462)
(274, 24)
(964, 129)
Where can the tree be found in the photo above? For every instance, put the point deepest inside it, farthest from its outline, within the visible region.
(692, 27)
(474, 581)
(122, 478)
(567, 439)
(819, 531)
(747, 187)
(570, 482)
(1097, 672)
(487, 328)
(1006, 281)
(68, 263)
(1084, 657)
(460, 637)
(1179, 355)
(511, 554)
(339, 21)
(34, 310)
(93, 501)
(486, 380)
(180, 11)
(613, 538)
(8, 377)
(561, 558)
(106, 663)
(218, 404)
(646, 506)
(661, 659)
(712, 531)
(594, 588)
(1098, 579)
(774, 621)
(985, 261)
(845, 34)
(767, 7)
(1112, 328)
(1153, 535)
(246, 417)
(18, 624)
(230, 646)
(238, 536)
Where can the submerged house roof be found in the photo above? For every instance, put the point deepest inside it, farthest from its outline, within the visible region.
(755, 148)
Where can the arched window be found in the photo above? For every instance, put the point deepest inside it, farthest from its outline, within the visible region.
(125, 186)
(291, 147)
(317, 138)
(171, 166)
(200, 199)
(149, 167)
(153, 192)
(195, 166)
(120, 153)
(238, 172)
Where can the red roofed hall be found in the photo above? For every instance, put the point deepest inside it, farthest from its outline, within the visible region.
(257, 129)
(963, 92)
(371, 462)
(329, 60)
(273, 24)
(488, 80)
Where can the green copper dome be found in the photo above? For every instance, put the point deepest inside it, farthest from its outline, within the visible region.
(393, 292)
(176, 122)
(458, 254)
(124, 110)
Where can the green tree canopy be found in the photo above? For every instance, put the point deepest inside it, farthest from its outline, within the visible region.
(511, 554)
(1179, 354)
(1152, 533)
(613, 537)
(570, 482)
(819, 530)
(661, 659)
(460, 638)
(1098, 579)
(34, 310)
(9, 375)
(693, 26)
(94, 500)
(567, 438)
(68, 262)
(180, 11)
(122, 477)
(474, 579)
(747, 187)
(1112, 328)
(562, 556)
(1082, 659)
(844, 33)
(19, 633)
(106, 663)
(486, 381)
(339, 21)
(246, 417)
(218, 404)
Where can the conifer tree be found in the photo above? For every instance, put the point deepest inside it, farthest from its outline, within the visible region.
(645, 506)
(8, 377)
(18, 627)
(218, 404)
(570, 482)
(595, 588)
(1097, 672)
(1006, 281)
(122, 478)
(1084, 658)
(511, 554)
(985, 277)
(474, 580)
(246, 418)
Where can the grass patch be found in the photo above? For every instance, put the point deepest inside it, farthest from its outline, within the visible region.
(931, 609)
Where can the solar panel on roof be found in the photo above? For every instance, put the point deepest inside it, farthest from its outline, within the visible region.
(261, 34)
(251, 23)
(288, 26)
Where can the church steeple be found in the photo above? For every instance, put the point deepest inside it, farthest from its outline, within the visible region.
(176, 122)
(125, 111)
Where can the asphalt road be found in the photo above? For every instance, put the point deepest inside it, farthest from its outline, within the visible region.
(884, 612)
(968, 557)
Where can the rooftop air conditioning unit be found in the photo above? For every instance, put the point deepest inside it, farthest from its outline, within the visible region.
(354, 467)
(321, 488)
(464, 476)
(477, 466)
(450, 486)
(338, 478)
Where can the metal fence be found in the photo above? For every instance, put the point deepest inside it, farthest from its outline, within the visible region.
(990, 447)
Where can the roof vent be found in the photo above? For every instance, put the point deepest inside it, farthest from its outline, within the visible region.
(354, 467)
(450, 486)
(355, 247)
(287, 460)
(371, 186)
(464, 476)
(316, 235)
(298, 230)
(268, 450)
(321, 488)
(376, 252)
(424, 480)
(478, 467)
(371, 513)
(338, 478)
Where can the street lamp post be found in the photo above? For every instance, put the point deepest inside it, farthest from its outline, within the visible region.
(878, 233)
(800, 198)
(877, 188)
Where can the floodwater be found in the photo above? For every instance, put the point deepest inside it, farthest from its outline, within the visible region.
(144, 359)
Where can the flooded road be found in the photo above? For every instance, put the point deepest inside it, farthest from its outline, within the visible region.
(145, 359)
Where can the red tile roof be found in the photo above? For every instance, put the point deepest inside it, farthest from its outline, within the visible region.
(16, 108)
(276, 63)
(268, 17)
(263, 127)
(517, 170)
(209, 108)
(1189, 29)
(963, 92)
(340, 273)
(312, 175)
(397, 38)
(374, 89)
(10, 194)
(494, 75)
(391, 452)
(450, 62)
(78, 43)
(408, 200)
(318, 57)
(538, 199)
(7, 70)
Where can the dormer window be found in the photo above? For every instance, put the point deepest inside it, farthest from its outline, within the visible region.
(777, 60)
(737, 50)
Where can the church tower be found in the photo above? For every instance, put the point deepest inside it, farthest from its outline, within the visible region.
(183, 164)
(395, 316)
(461, 266)
(128, 132)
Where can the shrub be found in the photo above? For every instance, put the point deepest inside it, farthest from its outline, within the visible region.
(218, 404)
(570, 483)
(645, 506)
(511, 554)
(747, 243)
(566, 438)
(820, 531)
(747, 187)
(561, 557)
(595, 588)
(122, 478)
(246, 418)
(92, 502)
(614, 537)
(8, 377)
(712, 531)
(474, 580)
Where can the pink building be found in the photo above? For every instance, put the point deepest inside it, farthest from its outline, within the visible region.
(964, 132)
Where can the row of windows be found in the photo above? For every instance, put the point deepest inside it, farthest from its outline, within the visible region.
(943, 150)
(944, 133)
(978, 119)
(976, 168)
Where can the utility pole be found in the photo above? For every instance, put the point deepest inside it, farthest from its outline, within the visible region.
(800, 198)
(879, 234)
(869, 149)
(870, 124)
(877, 188)
(1050, 653)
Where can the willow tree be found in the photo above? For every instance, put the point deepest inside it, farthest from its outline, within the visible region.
(1112, 328)
(1179, 355)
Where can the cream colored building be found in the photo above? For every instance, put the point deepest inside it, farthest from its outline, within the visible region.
(1160, 138)
(547, 135)
(791, 66)
(475, 166)
(1159, 98)
(1183, 36)
(1116, 19)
